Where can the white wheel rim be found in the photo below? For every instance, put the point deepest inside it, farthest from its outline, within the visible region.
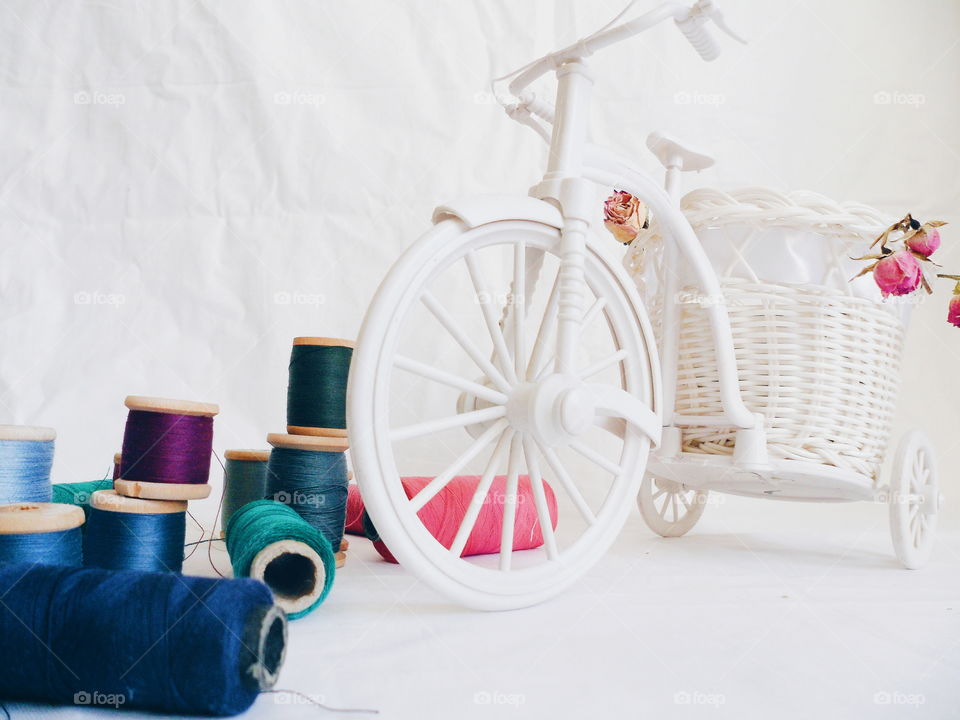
(668, 508)
(914, 500)
(370, 383)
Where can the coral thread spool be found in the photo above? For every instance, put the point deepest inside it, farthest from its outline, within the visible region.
(310, 475)
(244, 480)
(445, 512)
(317, 388)
(126, 533)
(41, 534)
(167, 446)
(26, 456)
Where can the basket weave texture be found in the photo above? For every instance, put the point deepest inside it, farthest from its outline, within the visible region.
(819, 362)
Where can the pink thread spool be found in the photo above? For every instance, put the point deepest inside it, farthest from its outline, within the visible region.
(166, 452)
(444, 513)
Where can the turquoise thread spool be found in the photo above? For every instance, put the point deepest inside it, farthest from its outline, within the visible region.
(26, 455)
(270, 542)
(79, 494)
(317, 388)
(244, 480)
(41, 534)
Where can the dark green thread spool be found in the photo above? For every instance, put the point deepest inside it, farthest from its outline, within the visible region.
(317, 388)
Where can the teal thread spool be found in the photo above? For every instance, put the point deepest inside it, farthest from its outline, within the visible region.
(270, 542)
(309, 474)
(244, 480)
(41, 534)
(79, 494)
(317, 388)
(26, 456)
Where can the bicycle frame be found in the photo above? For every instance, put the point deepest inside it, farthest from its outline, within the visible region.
(574, 164)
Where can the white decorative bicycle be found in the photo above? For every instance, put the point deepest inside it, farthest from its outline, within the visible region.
(569, 377)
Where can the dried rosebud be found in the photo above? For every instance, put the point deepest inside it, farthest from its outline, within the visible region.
(624, 216)
(898, 274)
(953, 311)
(925, 242)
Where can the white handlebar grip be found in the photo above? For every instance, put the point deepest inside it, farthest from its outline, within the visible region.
(695, 29)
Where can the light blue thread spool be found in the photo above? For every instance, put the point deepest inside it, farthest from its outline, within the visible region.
(26, 455)
(40, 533)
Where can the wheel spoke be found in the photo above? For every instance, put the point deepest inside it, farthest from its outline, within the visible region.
(662, 512)
(445, 378)
(438, 483)
(548, 324)
(519, 308)
(480, 494)
(510, 505)
(601, 365)
(673, 504)
(452, 327)
(596, 458)
(588, 317)
(563, 477)
(540, 499)
(490, 317)
(474, 417)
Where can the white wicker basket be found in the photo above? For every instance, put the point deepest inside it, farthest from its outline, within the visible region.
(817, 355)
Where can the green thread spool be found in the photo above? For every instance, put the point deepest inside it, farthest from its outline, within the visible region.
(317, 388)
(79, 494)
(270, 542)
(244, 480)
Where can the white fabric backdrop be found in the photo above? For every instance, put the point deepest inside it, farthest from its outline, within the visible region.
(185, 186)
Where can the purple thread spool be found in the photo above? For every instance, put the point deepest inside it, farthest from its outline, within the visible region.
(166, 449)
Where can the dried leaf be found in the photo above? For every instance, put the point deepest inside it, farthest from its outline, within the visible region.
(863, 272)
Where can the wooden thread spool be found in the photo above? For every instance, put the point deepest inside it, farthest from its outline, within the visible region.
(308, 443)
(244, 481)
(317, 388)
(26, 456)
(116, 465)
(39, 533)
(128, 547)
(131, 481)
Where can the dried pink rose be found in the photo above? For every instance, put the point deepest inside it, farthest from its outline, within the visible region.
(925, 242)
(898, 274)
(953, 311)
(624, 216)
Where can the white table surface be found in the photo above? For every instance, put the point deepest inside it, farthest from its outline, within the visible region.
(751, 615)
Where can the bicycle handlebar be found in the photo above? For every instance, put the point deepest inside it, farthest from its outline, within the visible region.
(692, 22)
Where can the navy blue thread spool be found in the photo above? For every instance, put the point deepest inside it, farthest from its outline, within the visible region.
(26, 456)
(187, 646)
(310, 475)
(244, 481)
(41, 533)
(125, 533)
(317, 386)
